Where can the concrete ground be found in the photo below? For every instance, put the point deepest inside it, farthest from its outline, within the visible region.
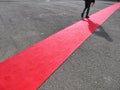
(93, 66)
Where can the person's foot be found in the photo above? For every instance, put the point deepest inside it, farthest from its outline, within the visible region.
(87, 16)
(82, 15)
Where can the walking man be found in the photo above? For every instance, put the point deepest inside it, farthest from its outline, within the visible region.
(88, 4)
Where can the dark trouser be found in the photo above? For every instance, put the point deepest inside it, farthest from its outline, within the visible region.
(87, 7)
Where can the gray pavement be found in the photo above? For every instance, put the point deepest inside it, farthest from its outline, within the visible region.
(93, 66)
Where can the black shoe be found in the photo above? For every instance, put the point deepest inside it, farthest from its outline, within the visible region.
(87, 16)
(82, 15)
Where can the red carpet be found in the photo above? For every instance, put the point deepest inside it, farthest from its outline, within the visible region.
(31, 67)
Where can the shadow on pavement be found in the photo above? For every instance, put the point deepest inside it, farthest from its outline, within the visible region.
(99, 31)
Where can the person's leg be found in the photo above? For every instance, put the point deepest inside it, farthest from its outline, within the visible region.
(88, 9)
(84, 9)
